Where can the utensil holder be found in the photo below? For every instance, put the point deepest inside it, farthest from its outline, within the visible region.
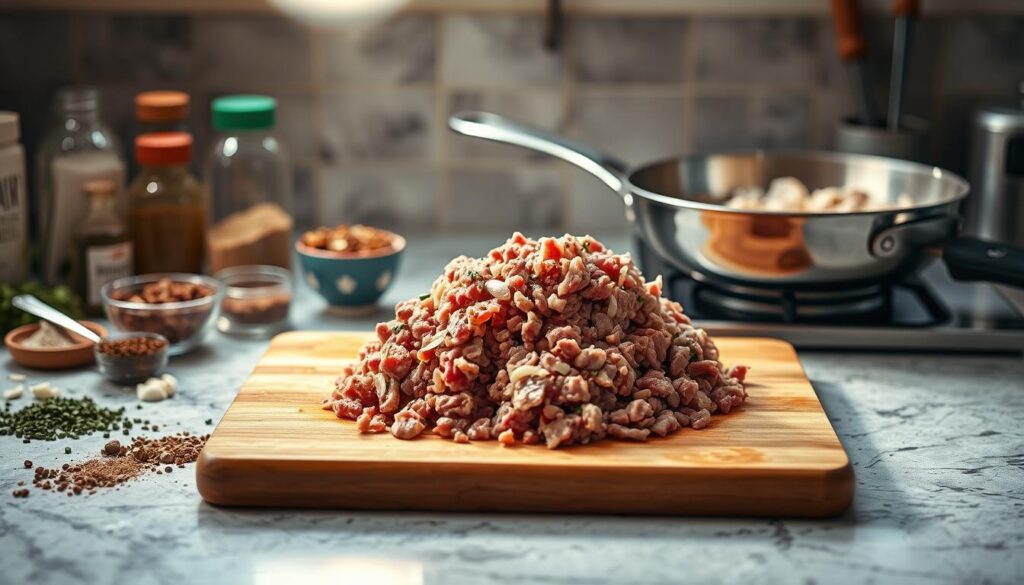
(910, 142)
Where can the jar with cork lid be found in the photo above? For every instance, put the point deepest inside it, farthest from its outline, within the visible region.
(168, 209)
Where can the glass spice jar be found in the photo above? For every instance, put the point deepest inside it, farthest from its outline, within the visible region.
(256, 300)
(168, 209)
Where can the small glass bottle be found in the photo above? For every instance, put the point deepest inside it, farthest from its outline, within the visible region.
(168, 209)
(248, 164)
(103, 251)
(78, 148)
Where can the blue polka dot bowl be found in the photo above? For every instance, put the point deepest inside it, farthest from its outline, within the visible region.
(350, 282)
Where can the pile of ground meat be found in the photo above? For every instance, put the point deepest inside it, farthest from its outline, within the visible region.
(558, 340)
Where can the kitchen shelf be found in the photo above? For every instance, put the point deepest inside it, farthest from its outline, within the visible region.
(611, 7)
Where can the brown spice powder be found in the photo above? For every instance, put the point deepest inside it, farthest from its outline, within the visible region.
(120, 464)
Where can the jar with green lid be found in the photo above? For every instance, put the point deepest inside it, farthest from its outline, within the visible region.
(248, 164)
(168, 209)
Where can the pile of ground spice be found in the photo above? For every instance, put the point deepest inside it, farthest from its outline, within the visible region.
(119, 464)
(61, 418)
(48, 337)
(132, 347)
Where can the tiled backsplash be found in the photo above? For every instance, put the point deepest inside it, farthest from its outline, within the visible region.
(364, 110)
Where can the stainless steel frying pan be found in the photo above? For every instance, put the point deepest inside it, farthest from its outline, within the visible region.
(676, 205)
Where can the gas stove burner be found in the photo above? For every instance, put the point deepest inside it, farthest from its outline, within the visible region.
(928, 313)
(870, 303)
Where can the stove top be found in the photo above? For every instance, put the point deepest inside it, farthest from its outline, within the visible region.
(932, 312)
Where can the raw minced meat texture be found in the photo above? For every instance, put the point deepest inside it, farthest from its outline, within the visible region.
(557, 340)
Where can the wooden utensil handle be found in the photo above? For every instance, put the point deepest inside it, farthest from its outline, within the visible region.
(909, 8)
(849, 34)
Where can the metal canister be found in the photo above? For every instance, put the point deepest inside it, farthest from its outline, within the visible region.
(995, 207)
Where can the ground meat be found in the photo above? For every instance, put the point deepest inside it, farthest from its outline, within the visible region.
(556, 340)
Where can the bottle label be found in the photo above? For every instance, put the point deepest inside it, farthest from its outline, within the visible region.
(106, 263)
(13, 225)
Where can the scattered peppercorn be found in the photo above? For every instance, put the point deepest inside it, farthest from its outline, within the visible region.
(58, 418)
(28, 464)
(67, 450)
(112, 448)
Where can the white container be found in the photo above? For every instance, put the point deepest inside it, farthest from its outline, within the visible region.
(78, 148)
(13, 203)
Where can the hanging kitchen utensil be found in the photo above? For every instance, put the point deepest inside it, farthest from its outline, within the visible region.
(853, 52)
(906, 11)
(677, 207)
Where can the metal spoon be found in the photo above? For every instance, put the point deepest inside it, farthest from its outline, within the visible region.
(34, 306)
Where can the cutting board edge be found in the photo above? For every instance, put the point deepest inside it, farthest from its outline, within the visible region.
(810, 493)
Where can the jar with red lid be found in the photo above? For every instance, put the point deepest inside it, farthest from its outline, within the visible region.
(168, 208)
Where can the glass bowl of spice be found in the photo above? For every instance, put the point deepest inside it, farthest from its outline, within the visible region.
(256, 300)
(132, 357)
(180, 307)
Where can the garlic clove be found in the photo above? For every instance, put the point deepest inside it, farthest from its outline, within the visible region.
(14, 393)
(44, 390)
(152, 390)
(170, 385)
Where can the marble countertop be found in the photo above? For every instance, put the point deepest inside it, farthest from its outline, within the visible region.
(937, 442)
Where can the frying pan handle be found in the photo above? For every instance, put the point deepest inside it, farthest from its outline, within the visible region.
(609, 170)
(974, 259)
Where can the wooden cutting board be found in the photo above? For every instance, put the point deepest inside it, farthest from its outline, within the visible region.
(275, 446)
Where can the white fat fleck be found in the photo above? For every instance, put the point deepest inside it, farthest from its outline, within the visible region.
(527, 371)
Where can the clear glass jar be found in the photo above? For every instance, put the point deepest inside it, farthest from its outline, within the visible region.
(78, 148)
(248, 164)
(168, 209)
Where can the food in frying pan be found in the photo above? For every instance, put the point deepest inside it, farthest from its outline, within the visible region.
(558, 340)
(790, 194)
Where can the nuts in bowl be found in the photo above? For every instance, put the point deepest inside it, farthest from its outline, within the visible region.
(350, 266)
(181, 307)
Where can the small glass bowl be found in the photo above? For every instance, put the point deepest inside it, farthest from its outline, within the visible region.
(134, 369)
(183, 323)
(256, 300)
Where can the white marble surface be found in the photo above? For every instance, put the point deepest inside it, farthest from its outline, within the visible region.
(937, 443)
